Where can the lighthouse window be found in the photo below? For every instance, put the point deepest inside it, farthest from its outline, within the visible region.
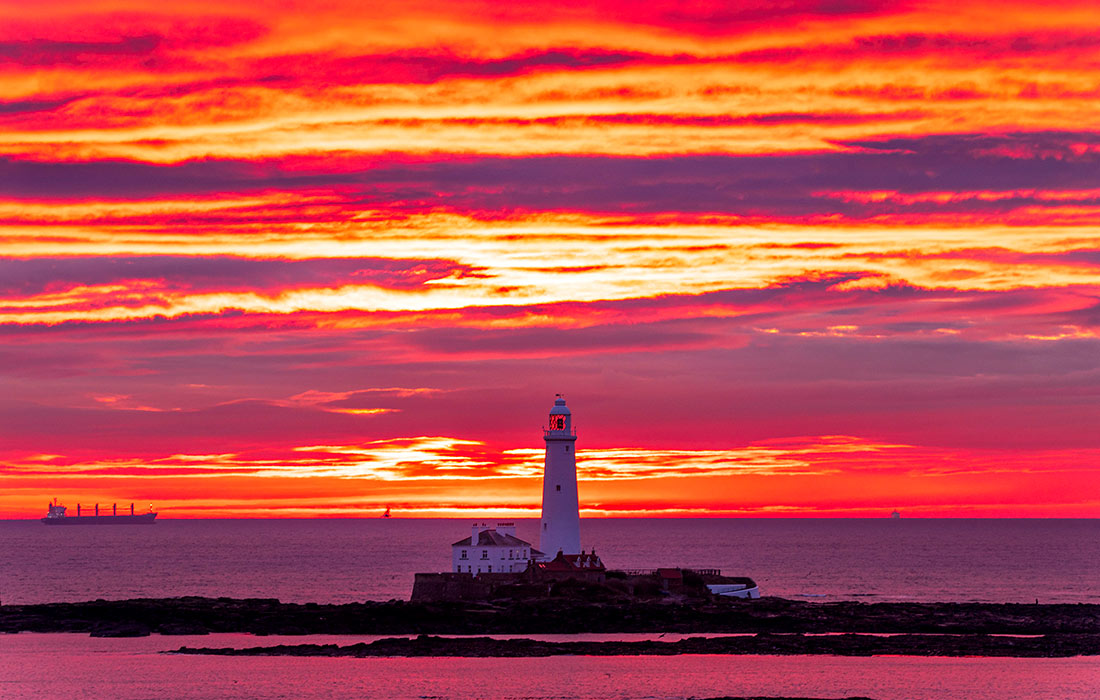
(558, 487)
(567, 448)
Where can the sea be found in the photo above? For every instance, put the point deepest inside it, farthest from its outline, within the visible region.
(906, 559)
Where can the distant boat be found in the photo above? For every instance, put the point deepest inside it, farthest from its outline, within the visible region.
(895, 515)
(56, 516)
(387, 513)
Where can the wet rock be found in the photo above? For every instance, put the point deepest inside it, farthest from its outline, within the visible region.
(121, 629)
(181, 628)
(193, 615)
(792, 644)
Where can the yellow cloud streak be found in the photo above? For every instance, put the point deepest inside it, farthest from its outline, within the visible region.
(440, 458)
(522, 263)
(255, 121)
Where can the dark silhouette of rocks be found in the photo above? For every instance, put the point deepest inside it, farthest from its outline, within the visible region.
(195, 615)
(785, 644)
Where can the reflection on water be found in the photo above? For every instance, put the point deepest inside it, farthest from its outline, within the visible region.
(50, 666)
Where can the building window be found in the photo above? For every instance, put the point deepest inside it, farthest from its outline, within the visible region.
(485, 554)
(511, 554)
(557, 487)
(463, 554)
(490, 569)
(567, 448)
(544, 526)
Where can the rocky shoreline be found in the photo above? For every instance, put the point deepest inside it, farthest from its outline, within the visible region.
(1055, 645)
(196, 615)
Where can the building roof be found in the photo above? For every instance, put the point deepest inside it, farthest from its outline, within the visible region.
(573, 562)
(584, 560)
(559, 409)
(492, 538)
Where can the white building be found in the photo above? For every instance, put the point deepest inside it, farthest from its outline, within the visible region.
(492, 550)
(561, 520)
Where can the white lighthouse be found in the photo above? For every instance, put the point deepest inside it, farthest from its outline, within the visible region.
(561, 518)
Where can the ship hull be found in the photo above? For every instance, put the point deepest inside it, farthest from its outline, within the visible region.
(142, 519)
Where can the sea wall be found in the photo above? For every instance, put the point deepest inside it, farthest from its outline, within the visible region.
(449, 586)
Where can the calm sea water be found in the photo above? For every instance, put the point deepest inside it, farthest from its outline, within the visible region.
(50, 666)
(349, 560)
(346, 560)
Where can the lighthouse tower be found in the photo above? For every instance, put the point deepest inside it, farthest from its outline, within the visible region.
(561, 519)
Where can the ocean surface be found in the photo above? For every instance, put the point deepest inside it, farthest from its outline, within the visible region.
(50, 666)
(347, 560)
(350, 560)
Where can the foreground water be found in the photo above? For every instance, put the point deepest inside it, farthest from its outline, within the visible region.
(348, 560)
(352, 560)
(50, 666)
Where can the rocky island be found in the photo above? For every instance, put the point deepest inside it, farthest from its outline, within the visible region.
(1056, 645)
(780, 626)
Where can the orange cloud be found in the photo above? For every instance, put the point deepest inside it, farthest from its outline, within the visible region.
(441, 476)
(251, 253)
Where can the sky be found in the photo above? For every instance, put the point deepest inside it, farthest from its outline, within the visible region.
(820, 258)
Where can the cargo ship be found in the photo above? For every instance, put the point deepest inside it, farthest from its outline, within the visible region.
(56, 516)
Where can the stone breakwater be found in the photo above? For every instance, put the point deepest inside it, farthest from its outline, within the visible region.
(194, 615)
(1055, 645)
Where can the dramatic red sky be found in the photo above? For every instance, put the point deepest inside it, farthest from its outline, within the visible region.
(812, 257)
